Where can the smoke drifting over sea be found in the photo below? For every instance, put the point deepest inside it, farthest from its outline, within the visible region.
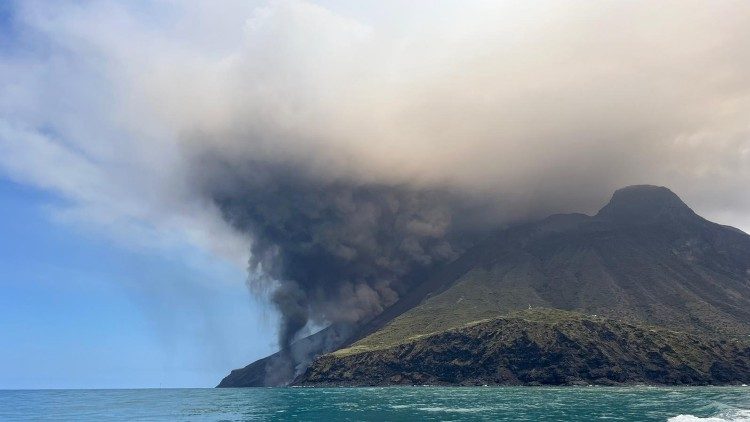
(344, 151)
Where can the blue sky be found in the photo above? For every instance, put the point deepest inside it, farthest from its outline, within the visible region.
(109, 304)
(77, 311)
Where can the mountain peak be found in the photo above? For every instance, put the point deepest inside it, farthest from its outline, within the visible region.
(645, 203)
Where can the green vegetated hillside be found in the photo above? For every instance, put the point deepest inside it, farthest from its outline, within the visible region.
(646, 258)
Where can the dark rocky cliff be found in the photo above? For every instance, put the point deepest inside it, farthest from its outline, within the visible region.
(541, 347)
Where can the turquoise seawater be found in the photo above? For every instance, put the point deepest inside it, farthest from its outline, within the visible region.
(382, 404)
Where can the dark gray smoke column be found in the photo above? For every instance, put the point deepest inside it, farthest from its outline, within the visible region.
(331, 250)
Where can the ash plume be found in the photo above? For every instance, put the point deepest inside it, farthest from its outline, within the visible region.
(335, 251)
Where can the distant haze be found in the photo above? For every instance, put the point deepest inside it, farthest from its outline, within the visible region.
(343, 150)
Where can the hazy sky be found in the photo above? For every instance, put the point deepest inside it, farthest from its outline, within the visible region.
(114, 117)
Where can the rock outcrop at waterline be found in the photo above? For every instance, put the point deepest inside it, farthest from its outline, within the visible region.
(541, 347)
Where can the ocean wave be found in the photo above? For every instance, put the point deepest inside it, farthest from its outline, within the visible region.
(736, 415)
(454, 409)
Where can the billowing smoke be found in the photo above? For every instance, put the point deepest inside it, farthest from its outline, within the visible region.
(348, 148)
(335, 251)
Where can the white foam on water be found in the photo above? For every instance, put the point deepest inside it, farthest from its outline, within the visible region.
(453, 409)
(737, 415)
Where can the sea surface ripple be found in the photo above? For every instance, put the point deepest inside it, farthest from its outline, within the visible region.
(713, 404)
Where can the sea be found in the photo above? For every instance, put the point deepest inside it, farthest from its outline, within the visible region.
(714, 404)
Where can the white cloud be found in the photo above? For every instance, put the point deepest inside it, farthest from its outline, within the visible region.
(549, 106)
